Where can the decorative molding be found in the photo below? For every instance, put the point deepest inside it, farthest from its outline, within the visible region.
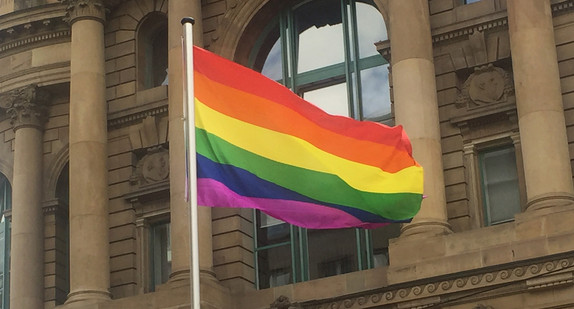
(532, 271)
(38, 38)
(488, 85)
(84, 9)
(26, 106)
(498, 23)
(283, 302)
(130, 117)
(562, 7)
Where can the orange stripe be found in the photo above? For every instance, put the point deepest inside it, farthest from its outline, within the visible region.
(265, 113)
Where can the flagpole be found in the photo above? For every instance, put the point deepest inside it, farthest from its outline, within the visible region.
(189, 114)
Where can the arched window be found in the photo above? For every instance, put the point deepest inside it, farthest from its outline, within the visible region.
(5, 204)
(63, 236)
(152, 51)
(324, 51)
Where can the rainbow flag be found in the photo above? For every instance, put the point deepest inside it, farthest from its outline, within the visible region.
(261, 146)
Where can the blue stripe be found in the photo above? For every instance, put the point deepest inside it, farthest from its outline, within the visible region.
(248, 184)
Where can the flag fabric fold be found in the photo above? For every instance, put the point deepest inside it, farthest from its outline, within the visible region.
(261, 146)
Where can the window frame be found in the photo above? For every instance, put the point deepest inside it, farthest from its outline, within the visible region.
(5, 212)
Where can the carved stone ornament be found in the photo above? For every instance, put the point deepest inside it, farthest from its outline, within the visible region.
(26, 106)
(283, 302)
(486, 86)
(152, 167)
(84, 9)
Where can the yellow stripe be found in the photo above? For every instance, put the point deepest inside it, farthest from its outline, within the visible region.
(287, 149)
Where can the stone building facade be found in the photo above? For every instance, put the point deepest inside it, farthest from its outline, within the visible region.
(92, 153)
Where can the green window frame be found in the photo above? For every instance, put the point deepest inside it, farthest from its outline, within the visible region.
(5, 204)
(285, 253)
(159, 254)
(499, 184)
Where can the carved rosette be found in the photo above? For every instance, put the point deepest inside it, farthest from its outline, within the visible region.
(486, 86)
(26, 106)
(152, 168)
(84, 9)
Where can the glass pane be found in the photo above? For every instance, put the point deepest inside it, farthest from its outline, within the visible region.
(272, 67)
(331, 252)
(271, 231)
(331, 99)
(161, 254)
(274, 266)
(375, 92)
(371, 28)
(500, 185)
(320, 35)
(380, 239)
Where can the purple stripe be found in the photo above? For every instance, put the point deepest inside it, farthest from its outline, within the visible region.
(213, 193)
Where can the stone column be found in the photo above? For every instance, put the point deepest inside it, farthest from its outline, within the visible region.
(416, 107)
(27, 109)
(89, 244)
(547, 168)
(177, 10)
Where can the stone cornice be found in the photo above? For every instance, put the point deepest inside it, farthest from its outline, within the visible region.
(84, 9)
(39, 26)
(528, 275)
(131, 116)
(26, 106)
(457, 31)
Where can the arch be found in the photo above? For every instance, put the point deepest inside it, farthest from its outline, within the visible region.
(53, 172)
(243, 25)
(151, 50)
(6, 169)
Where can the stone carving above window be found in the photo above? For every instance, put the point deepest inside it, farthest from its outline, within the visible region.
(153, 167)
(488, 85)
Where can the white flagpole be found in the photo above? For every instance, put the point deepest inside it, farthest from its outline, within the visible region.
(189, 114)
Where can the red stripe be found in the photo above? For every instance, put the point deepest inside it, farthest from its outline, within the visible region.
(236, 76)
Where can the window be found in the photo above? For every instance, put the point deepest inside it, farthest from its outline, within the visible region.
(5, 204)
(324, 51)
(499, 183)
(470, 1)
(160, 254)
(152, 51)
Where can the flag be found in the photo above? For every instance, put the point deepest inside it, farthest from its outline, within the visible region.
(261, 146)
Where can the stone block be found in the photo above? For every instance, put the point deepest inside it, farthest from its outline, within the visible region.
(234, 270)
(455, 192)
(497, 255)
(320, 288)
(122, 277)
(447, 96)
(565, 51)
(151, 95)
(121, 104)
(531, 248)
(120, 160)
(451, 144)
(235, 238)
(126, 246)
(566, 67)
(125, 62)
(452, 160)
(57, 122)
(460, 224)
(232, 224)
(126, 261)
(437, 6)
(119, 145)
(406, 251)
(122, 232)
(567, 84)
(124, 35)
(564, 34)
(118, 204)
(457, 209)
(125, 89)
(127, 75)
(124, 290)
(120, 175)
(560, 243)
(442, 19)
(213, 9)
(232, 255)
(57, 110)
(474, 10)
(559, 223)
(51, 54)
(454, 176)
(446, 81)
(122, 218)
(118, 189)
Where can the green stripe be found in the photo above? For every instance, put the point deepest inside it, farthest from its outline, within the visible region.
(316, 185)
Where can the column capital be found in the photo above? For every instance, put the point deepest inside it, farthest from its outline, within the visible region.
(84, 9)
(26, 106)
